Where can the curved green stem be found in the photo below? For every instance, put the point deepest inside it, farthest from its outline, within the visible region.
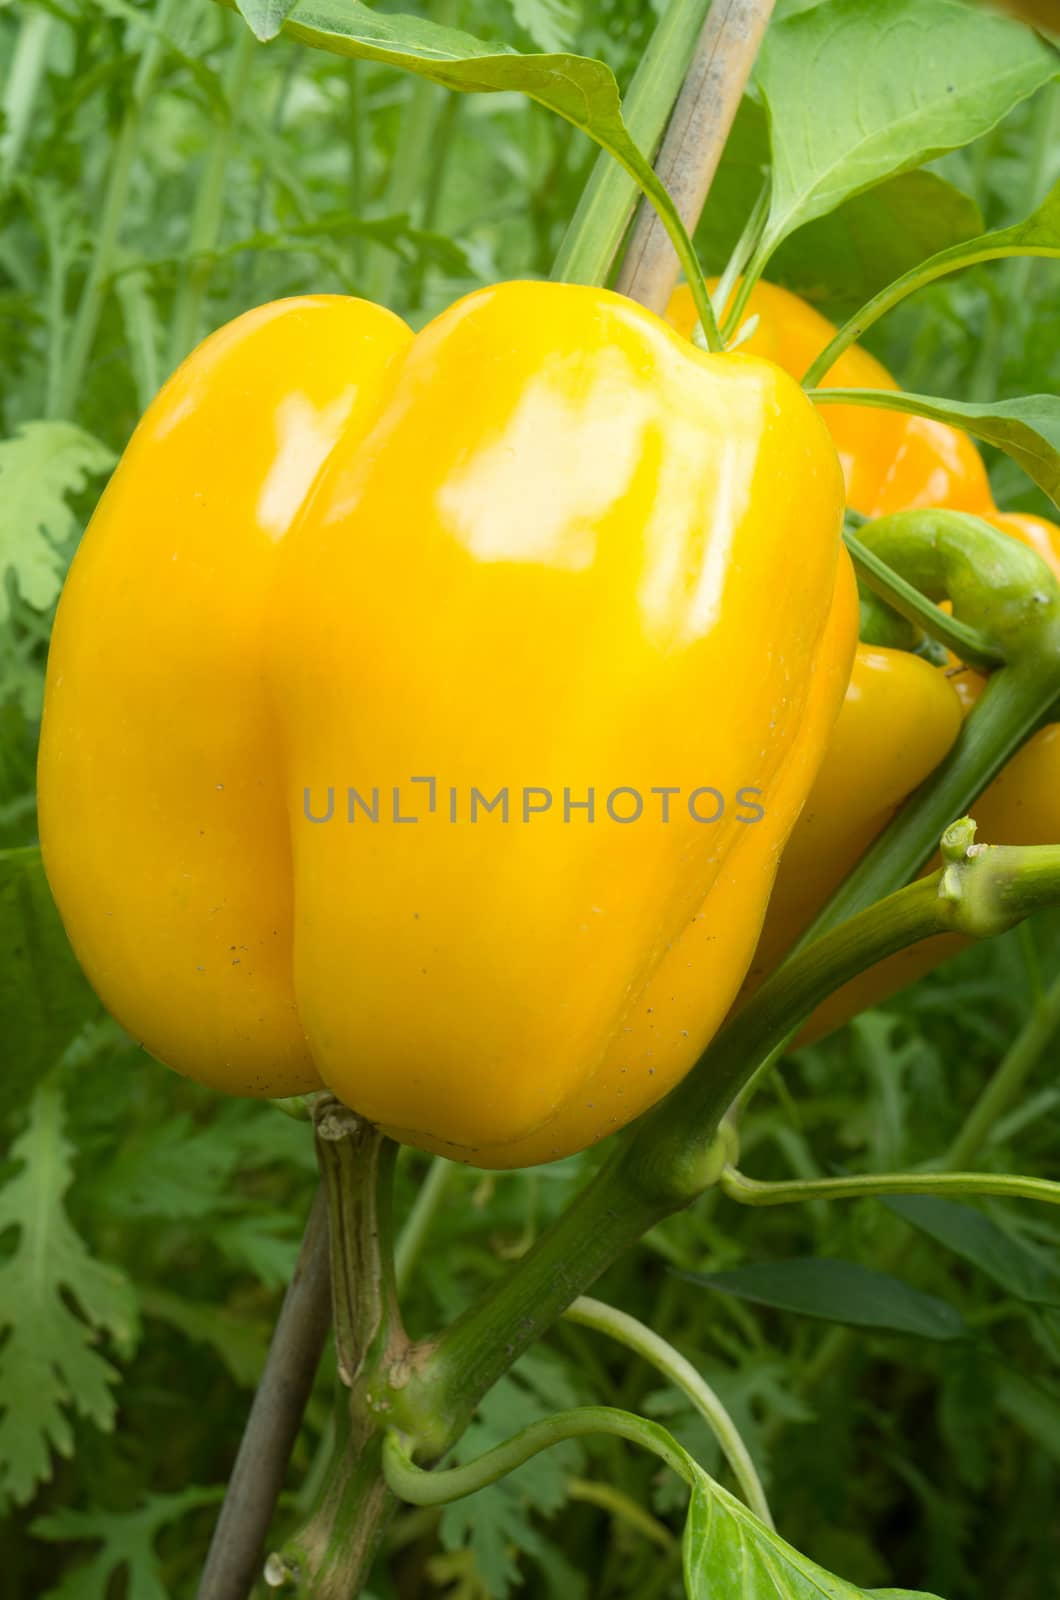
(419, 1487)
(590, 244)
(744, 247)
(755, 268)
(682, 1374)
(968, 643)
(749, 1192)
(1001, 592)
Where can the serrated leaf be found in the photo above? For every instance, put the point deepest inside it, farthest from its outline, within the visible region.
(55, 1301)
(976, 1238)
(241, 1345)
(44, 997)
(727, 1552)
(128, 1545)
(859, 90)
(839, 1291)
(265, 18)
(40, 468)
(1027, 429)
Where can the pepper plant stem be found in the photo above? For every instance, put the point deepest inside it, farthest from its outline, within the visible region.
(329, 1557)
(695, 139)
(673, 1153)
(1024, 1054)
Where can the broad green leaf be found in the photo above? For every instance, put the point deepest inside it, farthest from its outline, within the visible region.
(56, 1300)
(40, 468)
(265, 18)
(843, 259)
(839, 1291)
(727, 1552)
(1036, 235)
(44, 997)
(976, 1238)
(127, 1540)
(1027, 429)
(1033, 1407)
(859, 90)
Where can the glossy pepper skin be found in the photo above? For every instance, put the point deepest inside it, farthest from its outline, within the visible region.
(903, 726)
(525, 549)
(890, 462)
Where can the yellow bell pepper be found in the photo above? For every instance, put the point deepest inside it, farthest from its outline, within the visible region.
(544, 547)
(891, 462)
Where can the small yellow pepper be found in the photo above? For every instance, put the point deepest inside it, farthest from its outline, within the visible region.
(543, 547)
(905, 728)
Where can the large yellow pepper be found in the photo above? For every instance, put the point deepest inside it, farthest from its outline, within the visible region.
(545, 545)
(891, 461)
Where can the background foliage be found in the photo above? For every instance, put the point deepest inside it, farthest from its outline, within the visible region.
(160, 172)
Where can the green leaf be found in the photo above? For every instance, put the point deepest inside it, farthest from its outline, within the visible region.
(978, 1239)
(265, 18)
(839, 1291)
(859, 90)
(1027, 429)
(581, 90)
(242, 1345)
(40, 468)
(727, 1552)
(55, 1302)
(841, 260)
(44, 997)
(128, 1545)
(1036, 235)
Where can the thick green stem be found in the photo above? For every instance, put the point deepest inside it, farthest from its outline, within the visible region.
(608, 200)
(673, 1153)
(330, 1556)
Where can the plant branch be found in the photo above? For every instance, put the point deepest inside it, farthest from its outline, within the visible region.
(1019, 1061)
(674, 1153)
(233, 1561)
(748, 1192)
(683, 1375)
(419, 1487)
(695, 139)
